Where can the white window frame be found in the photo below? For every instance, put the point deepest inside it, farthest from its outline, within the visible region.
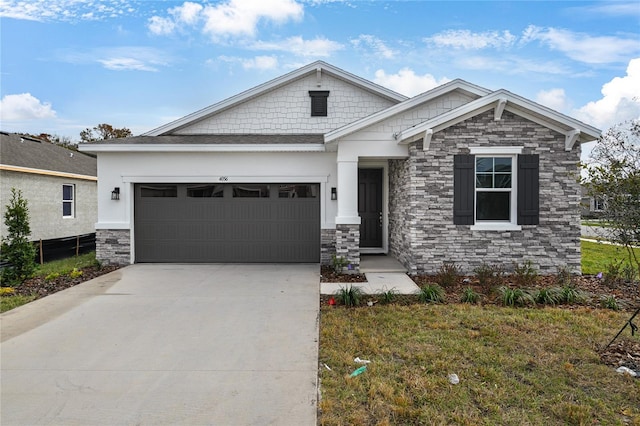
(495, 225)
(72, 201)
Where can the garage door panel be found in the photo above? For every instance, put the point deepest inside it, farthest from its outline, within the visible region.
(205, 228)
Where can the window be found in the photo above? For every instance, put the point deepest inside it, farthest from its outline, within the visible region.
(205, 191)
(598, 204)
(298, 191)
(319, 103)
(496, 189)
(159, 191)
(250, 191)
(493, 189)
(68, 201)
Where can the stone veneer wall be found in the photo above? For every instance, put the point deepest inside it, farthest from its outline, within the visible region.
(348, 245)
(113, 246)
(423, 235)
(327, 245)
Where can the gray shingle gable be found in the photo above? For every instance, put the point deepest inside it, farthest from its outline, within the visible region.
(22, 151)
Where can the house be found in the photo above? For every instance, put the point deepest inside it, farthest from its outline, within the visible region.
(320, 162)
(58, 184)
(591, 207)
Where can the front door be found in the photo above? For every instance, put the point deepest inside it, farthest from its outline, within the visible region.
(370, 207)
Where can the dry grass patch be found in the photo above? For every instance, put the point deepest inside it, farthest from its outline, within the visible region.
(516, 366)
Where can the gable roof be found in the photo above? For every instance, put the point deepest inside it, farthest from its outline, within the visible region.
(501, 100)
(317, 67)
(23, 153)
(443, 89)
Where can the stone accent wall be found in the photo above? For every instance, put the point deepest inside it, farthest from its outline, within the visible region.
(429, 233)
(348, 245)
(327, 245)
(287, 110)
(399, 213)
(113, 246)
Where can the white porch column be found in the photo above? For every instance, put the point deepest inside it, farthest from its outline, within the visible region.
(348, 193)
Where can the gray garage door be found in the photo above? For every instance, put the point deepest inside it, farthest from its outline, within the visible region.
(227, 223)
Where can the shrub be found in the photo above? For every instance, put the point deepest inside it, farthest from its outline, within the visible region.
(489, 276)
(75, 273)
(610, 302)
(431, 293)
(515, 297)
(349, 296)
(16, 248)
(448, 274)
(564, 276)
(52, 276)
(387, 296)
(547, 296)
(525, 274)
(469, 296)
(629, 273)
(613, 273)
(7, 291)
(339, 263)
(569, 294)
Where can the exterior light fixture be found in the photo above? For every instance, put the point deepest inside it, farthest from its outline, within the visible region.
(334, 193)
(115, 194)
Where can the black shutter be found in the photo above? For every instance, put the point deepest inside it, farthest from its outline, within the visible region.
(463, 189)
(528, 190)
(319, 103)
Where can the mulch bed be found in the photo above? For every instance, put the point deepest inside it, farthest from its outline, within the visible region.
(40, 287)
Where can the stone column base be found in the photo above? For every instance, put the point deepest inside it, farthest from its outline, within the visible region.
(348, 245)
(113, 246)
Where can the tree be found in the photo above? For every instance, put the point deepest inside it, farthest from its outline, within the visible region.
(102, 132)
(613, 174)
(16, 249)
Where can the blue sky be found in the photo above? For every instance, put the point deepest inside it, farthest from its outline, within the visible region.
(70, 64)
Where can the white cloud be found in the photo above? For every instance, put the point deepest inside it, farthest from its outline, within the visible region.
(378, 46)
(126, 64)
(161, 26)
(620, 100)
(24, 106)
(260, 63)
(583, 47)
(64, 10)
(318, 47)
(465, 39)
(407, 82)
(554, 98)
(189, 13)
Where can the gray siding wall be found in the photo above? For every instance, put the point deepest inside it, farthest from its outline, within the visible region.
(44, 196)
(422, 233)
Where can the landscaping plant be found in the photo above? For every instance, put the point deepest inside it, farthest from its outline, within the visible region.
(431, 293)
(349, 296)
(448, 274)
(469, 296)
(16, 249)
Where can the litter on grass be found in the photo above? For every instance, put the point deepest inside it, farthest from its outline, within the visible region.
(361, 361)
(454, 379)
(327, 367)
(625, 370)
(358, 371)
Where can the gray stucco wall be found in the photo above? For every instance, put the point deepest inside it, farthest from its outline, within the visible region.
(422, 233)
(44, 196)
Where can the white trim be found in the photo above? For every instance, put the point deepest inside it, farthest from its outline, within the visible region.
(20, 169)
(348, 220)
(496, 227)
(495, 150)
(271, 85)
(426, 139)
(72, 201)
(513, 192)
(570, 139)
(403, 106)
(222, 179)
(502, 102)
(113, 225)
(203, 148)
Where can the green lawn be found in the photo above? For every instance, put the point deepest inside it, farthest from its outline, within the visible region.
(516, 366)
(596, 256)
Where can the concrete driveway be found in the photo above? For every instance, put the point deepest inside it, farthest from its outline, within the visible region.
(167, 344)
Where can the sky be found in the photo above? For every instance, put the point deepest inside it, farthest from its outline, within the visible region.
(67, 65)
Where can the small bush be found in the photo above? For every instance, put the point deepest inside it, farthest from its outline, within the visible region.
(489, 276)
(469, 296)
(15, 247)
(610, 302)
(525, 274)
(52, 276)
(349, 296)
(569, 294)
(339, 263)
(448, 274)
(7, 291)
(387, 296)
(564, 276)
(613, 273)
(515, 297)
(431, 293)
(547, 296)
(75, 273)
(629, 273)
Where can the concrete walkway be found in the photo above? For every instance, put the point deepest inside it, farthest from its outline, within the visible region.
(167, 344)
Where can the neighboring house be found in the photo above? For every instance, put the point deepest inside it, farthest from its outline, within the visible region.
(591, 207)
(58, 184)
(320, 162)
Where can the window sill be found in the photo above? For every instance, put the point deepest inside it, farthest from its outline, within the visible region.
(496, 227)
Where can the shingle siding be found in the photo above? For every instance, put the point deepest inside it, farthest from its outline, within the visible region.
(423, 235)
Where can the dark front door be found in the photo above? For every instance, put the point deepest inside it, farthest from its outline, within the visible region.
(370, 207)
